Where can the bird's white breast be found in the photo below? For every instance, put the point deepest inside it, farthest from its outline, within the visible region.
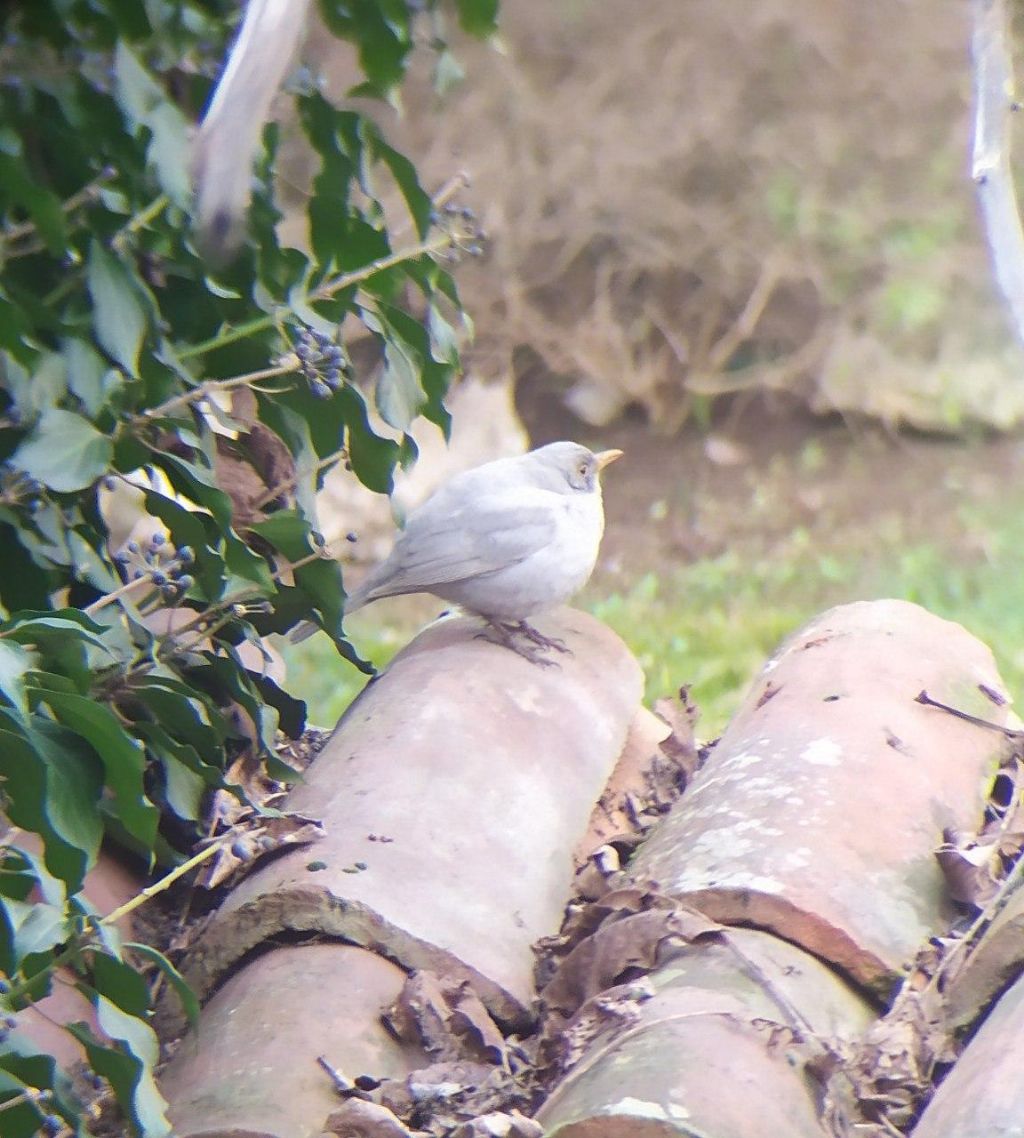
(552, 574)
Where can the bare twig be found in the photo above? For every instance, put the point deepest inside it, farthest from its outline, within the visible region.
(990, 167)
(1008, 732)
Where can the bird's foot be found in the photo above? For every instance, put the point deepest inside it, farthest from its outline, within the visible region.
(513, 634)
(546, 642)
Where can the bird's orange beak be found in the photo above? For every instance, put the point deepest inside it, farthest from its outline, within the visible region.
(606, 458)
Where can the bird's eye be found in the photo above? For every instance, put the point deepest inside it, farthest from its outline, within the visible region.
(581, 470)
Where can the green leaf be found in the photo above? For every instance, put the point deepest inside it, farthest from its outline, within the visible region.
(38, 927)
(14, 662)
(129, 1068)
(40, 202)
(29, 626)
(120, 983)
(123, 761)
(64, 452)
(146, 104)
(27, 782)
(399, 396)
(373, 458)
(119, 317)
(183, 788)
(73, 786)
(478, 17)
(320, 580)
(404, 172)
(189, 1002)
(89, 376)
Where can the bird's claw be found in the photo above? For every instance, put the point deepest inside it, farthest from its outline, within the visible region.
(509, 634)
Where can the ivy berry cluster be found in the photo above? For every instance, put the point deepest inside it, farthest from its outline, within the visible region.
(322, 362)
(165, 565)
(459, 223)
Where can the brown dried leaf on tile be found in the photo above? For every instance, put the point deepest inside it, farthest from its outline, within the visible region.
(446, 1018)
(597, 875)
(972, 869)
(604, 1017)
(439, 1098)
(622, 949)
(643, 785)
(582, 920)
(893, 1066)
(253, 837)
(681, 716)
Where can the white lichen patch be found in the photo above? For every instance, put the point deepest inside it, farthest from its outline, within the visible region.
(823, 752)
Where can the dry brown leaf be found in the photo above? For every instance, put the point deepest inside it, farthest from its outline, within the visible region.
(446, 1018)
(624, 947)
(972, 869)
(681, 716)
(445, 1095)
(253, 837)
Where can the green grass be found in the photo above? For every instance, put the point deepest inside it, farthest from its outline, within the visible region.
(712, 624)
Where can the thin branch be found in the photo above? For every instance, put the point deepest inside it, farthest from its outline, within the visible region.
(212, 387)
(990, 166)
(86, 194)
(293, 479)
(345, 280)
(16, 991)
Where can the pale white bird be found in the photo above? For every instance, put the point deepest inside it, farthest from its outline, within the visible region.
(505, 540)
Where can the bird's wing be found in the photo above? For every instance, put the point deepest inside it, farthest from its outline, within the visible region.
(441, 545)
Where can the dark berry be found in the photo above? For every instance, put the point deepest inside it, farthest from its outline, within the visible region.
(133, 547)
(185, 555)
(332, 377)
(320, 389)
(353, 537)
(157, 540)
(159, 578)
(186, 582)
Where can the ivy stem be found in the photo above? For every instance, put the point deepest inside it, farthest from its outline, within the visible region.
(211, 387)
(322, 292)
(80, 197)
(138, 220)
(292, 480)
(117, 594)
(16, 991)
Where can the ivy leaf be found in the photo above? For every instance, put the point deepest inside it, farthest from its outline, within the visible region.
(123, 761)
(478, 17)
(320, 580)
(24, 774)
(129, 1068)
(189, 1002)
(399, 395)
(89, 376)
(146, 104)
(14, 662)
(73, 786)
(64, 452)
(119, 317)
(373, 457)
